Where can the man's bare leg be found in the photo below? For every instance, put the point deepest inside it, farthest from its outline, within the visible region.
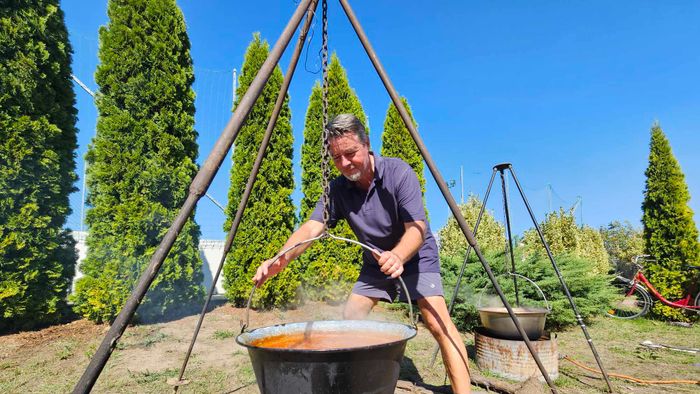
(358, 307)
(454, 354)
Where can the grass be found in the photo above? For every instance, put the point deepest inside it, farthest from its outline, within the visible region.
(224, 334)
(65, 351)
(149, 355)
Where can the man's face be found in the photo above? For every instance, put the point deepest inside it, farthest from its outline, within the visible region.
(350, 156)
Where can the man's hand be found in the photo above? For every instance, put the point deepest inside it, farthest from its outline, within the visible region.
(390, 264)
(268, 269)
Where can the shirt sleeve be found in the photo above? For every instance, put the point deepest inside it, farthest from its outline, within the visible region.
(409, 197)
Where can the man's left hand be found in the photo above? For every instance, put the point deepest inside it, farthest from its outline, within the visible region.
(390, 264)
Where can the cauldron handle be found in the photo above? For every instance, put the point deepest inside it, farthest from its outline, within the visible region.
(549, 307)
(245, 325)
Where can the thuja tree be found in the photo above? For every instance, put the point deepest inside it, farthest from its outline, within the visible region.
(397, 142)
(141, 163)
(489, 235)
(330, 268)
(269, 217)
(563, 236)
(670, 234)
(37, 163)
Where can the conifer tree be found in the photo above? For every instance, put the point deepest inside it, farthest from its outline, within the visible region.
(330, 268)
(397, 142)
(37, 163)
(269, 218)
(141, 163)
(670, 234)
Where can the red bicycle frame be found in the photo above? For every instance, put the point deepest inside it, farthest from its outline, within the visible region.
(685, 302)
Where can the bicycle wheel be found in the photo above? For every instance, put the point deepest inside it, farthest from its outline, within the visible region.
(630, 306)
(697, 301)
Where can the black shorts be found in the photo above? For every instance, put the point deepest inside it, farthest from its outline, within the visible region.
(419, 286)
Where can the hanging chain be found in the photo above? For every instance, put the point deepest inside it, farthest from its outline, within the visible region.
(325, 153)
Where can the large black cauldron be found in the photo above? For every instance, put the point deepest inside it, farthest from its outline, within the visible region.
(368, 369)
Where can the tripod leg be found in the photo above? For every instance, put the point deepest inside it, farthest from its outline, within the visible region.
(466, 258)
(579, 319)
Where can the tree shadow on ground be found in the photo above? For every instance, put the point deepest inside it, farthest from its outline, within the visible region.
(409, 371)
(179, 313)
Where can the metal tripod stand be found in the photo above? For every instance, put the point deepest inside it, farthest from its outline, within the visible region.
(501, 168)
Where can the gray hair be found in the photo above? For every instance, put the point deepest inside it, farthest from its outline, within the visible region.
(347, 123)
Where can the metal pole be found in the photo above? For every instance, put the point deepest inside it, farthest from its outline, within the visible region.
(82, 85)
(509, 242)
(82, 199)
(221, 207)
(466, 258)
(198, 188)
(440, 181)
(563, 283)
(251, 178)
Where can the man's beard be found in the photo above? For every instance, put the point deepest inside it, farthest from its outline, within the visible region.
(354, 177)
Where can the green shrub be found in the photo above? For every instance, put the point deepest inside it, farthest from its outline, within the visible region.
(623, 242)
(564, 237)
(489, 235)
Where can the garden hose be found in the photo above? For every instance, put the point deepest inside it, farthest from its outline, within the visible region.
(630, 378)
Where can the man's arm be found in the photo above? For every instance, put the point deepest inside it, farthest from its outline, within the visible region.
(269, 268)
(391, 262)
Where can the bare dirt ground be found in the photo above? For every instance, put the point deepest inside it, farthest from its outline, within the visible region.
(52, 360)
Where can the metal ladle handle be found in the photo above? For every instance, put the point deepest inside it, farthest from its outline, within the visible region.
(245, 325)
(549, 307)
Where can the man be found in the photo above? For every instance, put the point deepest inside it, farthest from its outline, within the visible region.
(380, 197)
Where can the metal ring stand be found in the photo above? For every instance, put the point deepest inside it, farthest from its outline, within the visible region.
(245, 325)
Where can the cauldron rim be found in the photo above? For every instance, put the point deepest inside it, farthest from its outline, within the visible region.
(412, 330)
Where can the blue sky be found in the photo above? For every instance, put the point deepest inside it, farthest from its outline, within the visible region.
(566, 91)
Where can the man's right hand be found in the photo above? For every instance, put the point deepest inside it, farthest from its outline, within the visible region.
(268, 269)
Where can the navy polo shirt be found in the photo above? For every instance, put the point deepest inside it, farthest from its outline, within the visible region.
(377, 216)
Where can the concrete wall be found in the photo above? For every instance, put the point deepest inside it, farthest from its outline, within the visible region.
(209, 250)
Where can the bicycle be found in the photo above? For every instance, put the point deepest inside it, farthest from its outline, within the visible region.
(637, 299)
